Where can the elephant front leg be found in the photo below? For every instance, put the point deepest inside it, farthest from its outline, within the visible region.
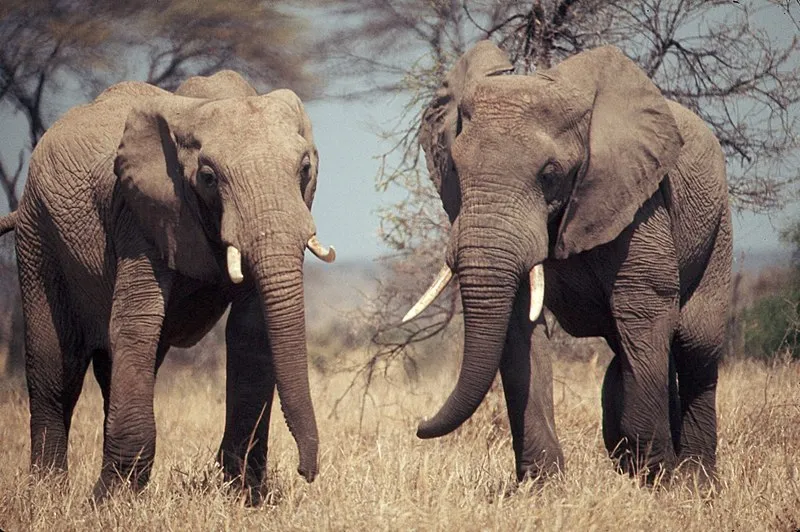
(250, 387)
(526, 371)
(638, 390)
(636, 406)
(137, 316)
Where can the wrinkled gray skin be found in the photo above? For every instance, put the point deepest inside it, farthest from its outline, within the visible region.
(621, 195)
(121, 238)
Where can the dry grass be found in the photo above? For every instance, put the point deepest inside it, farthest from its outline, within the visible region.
(379, 476)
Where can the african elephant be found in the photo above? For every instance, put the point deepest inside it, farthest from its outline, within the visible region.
(145, 215)
(583, 188)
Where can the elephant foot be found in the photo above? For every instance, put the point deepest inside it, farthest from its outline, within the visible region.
(104, 490)
(541, 471)
(56, 479)
(112, 481)
(650, 471)
(249, 495)
(243, 482)
(698, 476)
(101, 492)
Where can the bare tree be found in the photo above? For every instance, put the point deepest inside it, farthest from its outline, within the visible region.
(46, 45)
(717, 57)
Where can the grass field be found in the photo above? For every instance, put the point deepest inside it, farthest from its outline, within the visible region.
(375, 475)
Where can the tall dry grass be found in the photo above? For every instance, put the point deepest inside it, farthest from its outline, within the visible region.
(375, 475)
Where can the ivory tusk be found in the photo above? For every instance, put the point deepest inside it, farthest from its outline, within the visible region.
(235, 265)
(322, 253)
(439, 284)
(537, 291)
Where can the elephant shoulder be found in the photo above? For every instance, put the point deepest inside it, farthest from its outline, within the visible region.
(692, 128)
(701, 158)
(86, 136)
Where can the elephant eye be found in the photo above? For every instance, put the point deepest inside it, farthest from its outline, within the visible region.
(550, 173)
(305, 165)
(207, 177)
(551, 179)
(305, 171)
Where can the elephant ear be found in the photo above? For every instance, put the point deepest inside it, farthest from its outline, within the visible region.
(152, 161)
(441, 119)
(223, 84)
(633, 142)
(304, 129)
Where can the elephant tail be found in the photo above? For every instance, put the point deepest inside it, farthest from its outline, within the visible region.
(8, 222)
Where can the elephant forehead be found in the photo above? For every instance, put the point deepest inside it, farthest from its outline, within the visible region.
(251, 115)
(238, 123)
(530, 98)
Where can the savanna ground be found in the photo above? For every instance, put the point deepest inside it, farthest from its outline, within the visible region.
(375, 474)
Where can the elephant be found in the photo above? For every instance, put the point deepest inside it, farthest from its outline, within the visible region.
(583, 189)
(145, 216)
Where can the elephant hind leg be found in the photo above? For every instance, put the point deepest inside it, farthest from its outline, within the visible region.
(698, 346)
(249, 391)
(101, 365)
(611, 401)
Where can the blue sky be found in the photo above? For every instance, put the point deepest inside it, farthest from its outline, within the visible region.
(346, 201)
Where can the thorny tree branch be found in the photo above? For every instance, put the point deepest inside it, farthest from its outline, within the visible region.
(712, 56)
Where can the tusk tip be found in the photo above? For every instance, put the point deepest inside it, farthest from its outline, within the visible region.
(331, 256)
(410, 315)
(321, 252)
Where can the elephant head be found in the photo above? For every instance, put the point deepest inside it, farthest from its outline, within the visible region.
(441, 121)
(218, 185)
(546, 166)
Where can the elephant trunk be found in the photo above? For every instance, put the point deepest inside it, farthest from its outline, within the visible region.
(491, 262)
(487, 295)
(277, 264)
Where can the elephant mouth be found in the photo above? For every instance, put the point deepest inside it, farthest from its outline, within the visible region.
(445, 275)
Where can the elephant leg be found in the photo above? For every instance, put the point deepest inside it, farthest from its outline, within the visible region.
(527, 376)
(250, 387)
(697, 387)
(612, 395)
(699, 344)
(636, 402)
(101, 365)
(137, 314)
(54, 366)
(161, 353)
(611, 401)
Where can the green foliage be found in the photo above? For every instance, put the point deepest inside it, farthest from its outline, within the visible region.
(772, 324)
